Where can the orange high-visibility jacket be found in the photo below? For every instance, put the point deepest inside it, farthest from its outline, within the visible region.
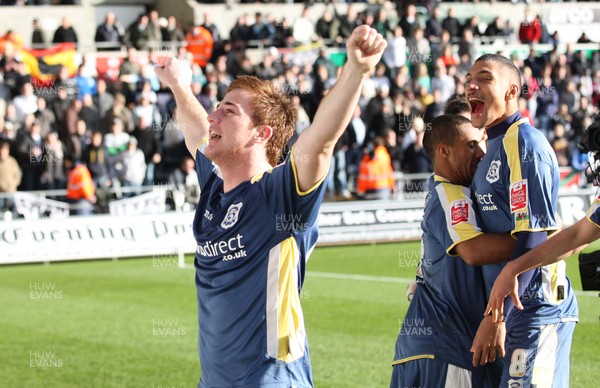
(375, 173)
(80, 184)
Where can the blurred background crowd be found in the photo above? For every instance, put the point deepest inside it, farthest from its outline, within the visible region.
(121, 129)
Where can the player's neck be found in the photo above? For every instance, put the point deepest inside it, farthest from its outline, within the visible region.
(235, 173)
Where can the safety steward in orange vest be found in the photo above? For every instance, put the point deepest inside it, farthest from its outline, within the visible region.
(81, 191)
(375, 174)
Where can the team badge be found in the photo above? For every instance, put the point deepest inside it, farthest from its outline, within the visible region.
(232, 215)
(518, 196)
(493, 173)
(459, 211)
(515, 383)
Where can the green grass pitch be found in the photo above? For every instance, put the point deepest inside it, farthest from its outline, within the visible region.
(132, 323)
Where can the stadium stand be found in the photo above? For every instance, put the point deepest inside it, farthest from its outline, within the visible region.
(79, 81)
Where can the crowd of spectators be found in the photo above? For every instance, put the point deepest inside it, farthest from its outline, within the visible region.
(123, 129)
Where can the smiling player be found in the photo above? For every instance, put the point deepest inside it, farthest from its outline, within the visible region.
(250, 265)
(515, 190)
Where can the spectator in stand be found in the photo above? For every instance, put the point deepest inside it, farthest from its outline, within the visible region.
(261, 30)
(81, 191)
(584, 111)
(409, 22)
(54, 176)
(154, 31)
(148, 111)
(185, 180)
(393, 149)
(78, 142)
(327, 27)
(214, 31)
(375, 174)
(584, 38)
(71, 118)
(28, 150)
(208, 97)
(10, 174)
(472, 24)
(110, 33)
(547, 101)
(120, 111)
(433, 26)
(85, 84)
(395, 52)
(65, 33)
(560, 145)
(38, 38)
(173, 31)
(240, 32)
(495, 28)
(96, 159)
(523, 109)
(530, 30)
(436, 108)
(89, 113)
(116, 140)
(45, 117)
(134, 168)
(103, 99)
(451, 24)
(443, 81)
(416, 161)
(304, 30)
(150, 146)
(138, 34)
(26, 102)
(129, 73)
(382, 23)
(348, 22)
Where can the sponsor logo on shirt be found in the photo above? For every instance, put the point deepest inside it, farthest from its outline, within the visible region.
(459, 211)
(518, 196)
(486, 202)
(208, 215)
(230, 249)
(232, 215)
(493, 173)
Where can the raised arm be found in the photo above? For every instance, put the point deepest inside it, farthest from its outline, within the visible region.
(191, 116)
(564, 244)
(314, 148)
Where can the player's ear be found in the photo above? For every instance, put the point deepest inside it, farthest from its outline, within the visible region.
(264, 132)
(443, 150)
(513, 92)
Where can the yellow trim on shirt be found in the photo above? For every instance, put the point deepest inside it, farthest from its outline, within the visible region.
(413, 358)
(513, 157)
(202, 141)
(303, 193)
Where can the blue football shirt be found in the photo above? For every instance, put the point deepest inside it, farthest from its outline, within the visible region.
(515, 189)
(253, 243)
(449, 301)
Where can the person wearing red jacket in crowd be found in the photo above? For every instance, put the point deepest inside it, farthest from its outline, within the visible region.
(81, 191)
(530, 30)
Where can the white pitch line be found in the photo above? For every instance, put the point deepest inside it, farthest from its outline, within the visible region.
(389, 279)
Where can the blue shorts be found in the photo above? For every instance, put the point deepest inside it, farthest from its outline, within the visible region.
(435, 373)
(538, 356)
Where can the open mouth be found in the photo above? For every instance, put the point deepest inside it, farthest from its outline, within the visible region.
(214, 135)
(477, 106)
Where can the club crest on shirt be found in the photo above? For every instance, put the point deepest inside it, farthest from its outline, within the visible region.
(493, 173)
(518, 196)
(232, 215)
(515, 383)
(459, 211)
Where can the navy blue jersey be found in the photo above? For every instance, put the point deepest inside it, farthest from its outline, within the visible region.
(449, 301)
(593, 213)
(253, 243)
(515, 189)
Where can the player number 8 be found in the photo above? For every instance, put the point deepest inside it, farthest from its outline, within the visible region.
(518, 363)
